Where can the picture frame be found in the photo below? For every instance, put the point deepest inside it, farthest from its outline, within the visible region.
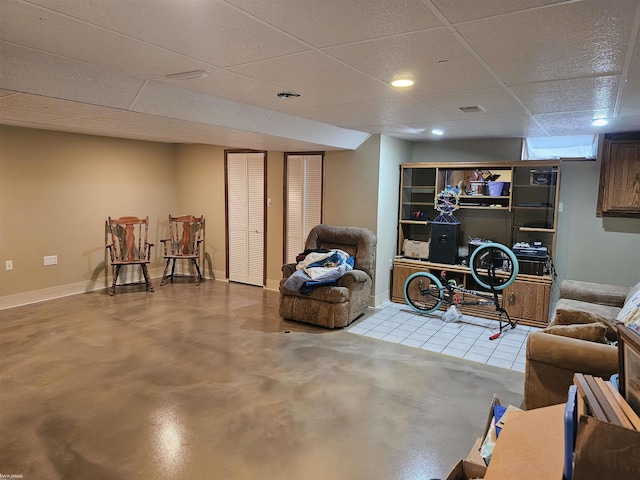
(629, 365)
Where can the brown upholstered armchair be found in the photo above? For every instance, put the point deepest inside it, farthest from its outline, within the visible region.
(339, 305)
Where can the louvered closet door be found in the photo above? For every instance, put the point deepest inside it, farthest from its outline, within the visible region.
(304, 200)
(245, 210)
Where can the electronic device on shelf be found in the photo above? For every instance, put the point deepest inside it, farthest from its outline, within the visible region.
(526, 251)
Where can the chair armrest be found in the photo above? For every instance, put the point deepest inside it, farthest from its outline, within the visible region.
(601, 293)
(592, 358)
(352, 277)
(288, 269)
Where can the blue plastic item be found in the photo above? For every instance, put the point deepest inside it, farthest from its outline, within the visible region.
(570, 429)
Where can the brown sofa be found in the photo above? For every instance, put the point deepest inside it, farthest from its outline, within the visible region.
(578, 340)
(339, 305)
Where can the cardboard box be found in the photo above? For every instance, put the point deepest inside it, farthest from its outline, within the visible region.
(416, 249)
(530, 446)
(465, 470)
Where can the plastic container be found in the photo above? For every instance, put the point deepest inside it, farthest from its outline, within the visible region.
(495, 188)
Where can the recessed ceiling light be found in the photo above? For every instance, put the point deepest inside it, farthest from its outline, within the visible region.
(402, 82)
(288, 95)
(187, 75)
(600, 122)
(437, 131)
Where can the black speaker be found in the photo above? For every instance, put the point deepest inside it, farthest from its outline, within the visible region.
(445, 238)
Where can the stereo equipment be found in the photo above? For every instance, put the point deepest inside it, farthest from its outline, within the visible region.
(445, 239)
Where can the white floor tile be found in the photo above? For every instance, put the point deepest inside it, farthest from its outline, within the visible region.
(503, 355)
(411, 342)
(432, 347)
(393, 338)
(468, 338)
(498, 362)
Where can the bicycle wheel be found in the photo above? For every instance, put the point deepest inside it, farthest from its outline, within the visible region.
(500, 258)
(423, 292)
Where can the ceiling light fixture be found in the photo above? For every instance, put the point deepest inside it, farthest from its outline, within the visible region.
(187, 75)
(402, 82)
(600, 122)
(437, 131)
(288, 95)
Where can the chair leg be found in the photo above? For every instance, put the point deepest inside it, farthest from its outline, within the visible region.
(147, 279)
(196, 271)
(164, 274)
(116, 271)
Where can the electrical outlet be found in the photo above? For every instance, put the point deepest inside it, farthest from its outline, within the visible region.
(51, 260)
(560, 207)
(8, 265)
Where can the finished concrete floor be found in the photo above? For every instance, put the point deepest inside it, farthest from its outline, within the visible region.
(203, 383)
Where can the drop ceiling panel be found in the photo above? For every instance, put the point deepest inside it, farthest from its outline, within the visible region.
(221, 83)
(631, 96)
(333, 22)
(496, 102)
(31, 71)
(169, 101)
(283, 125)
(572, 123)
(210, 31)
(334, 115)
(595, 43)
(319, 76)
(62, 108)
(592, 93)
(51, 32)
(437, 62)
(400, 110)
(459, 11)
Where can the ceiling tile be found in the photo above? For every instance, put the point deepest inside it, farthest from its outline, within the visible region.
(319, 76)
(210, 31)
(333, 22)
(221, 83)
(435, 59)
(333, 115)
(631, 94)
(495, 101)
(400, 110)
(573, 123)
(462, 10)
(62, 108)
(592, 93)
(169, 101)
(594, 45)
(51, 32)
(30, 71)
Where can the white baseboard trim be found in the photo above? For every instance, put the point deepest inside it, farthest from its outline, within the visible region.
(381, 298)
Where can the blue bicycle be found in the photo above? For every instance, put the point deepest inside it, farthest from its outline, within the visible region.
(493, 266)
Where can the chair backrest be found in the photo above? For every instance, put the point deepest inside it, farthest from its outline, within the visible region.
(358, 242)
(185, 234)
(129, 239)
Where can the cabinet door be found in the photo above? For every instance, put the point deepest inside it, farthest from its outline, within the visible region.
(528, 300)
(400, 275)
(619, 194)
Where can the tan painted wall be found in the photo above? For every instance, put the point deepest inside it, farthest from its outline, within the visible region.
(56, 191)
(200, 185)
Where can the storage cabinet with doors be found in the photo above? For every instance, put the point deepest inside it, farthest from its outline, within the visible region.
(524, 211)
(619, 191)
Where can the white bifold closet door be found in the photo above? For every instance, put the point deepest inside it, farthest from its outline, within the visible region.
(245, 211)
(304, 200)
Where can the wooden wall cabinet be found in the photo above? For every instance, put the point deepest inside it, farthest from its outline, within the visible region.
(619, 190)
(526, 211)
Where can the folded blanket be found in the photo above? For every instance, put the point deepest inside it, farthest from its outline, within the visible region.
(320, 267)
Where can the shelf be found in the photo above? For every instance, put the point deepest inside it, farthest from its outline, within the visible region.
(417, 203)
(415, 222)
(418, 187)
(502, 197)
(532, 229)
(516, 207)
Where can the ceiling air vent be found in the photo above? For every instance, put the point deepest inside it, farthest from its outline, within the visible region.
(473, 109)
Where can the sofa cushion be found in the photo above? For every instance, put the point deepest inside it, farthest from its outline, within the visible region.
(630, 313)
(593, 332)
(570, 311)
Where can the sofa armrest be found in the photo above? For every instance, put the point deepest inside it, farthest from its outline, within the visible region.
(601, 293)
(288, 269)
(352, 277)
(552, 360)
